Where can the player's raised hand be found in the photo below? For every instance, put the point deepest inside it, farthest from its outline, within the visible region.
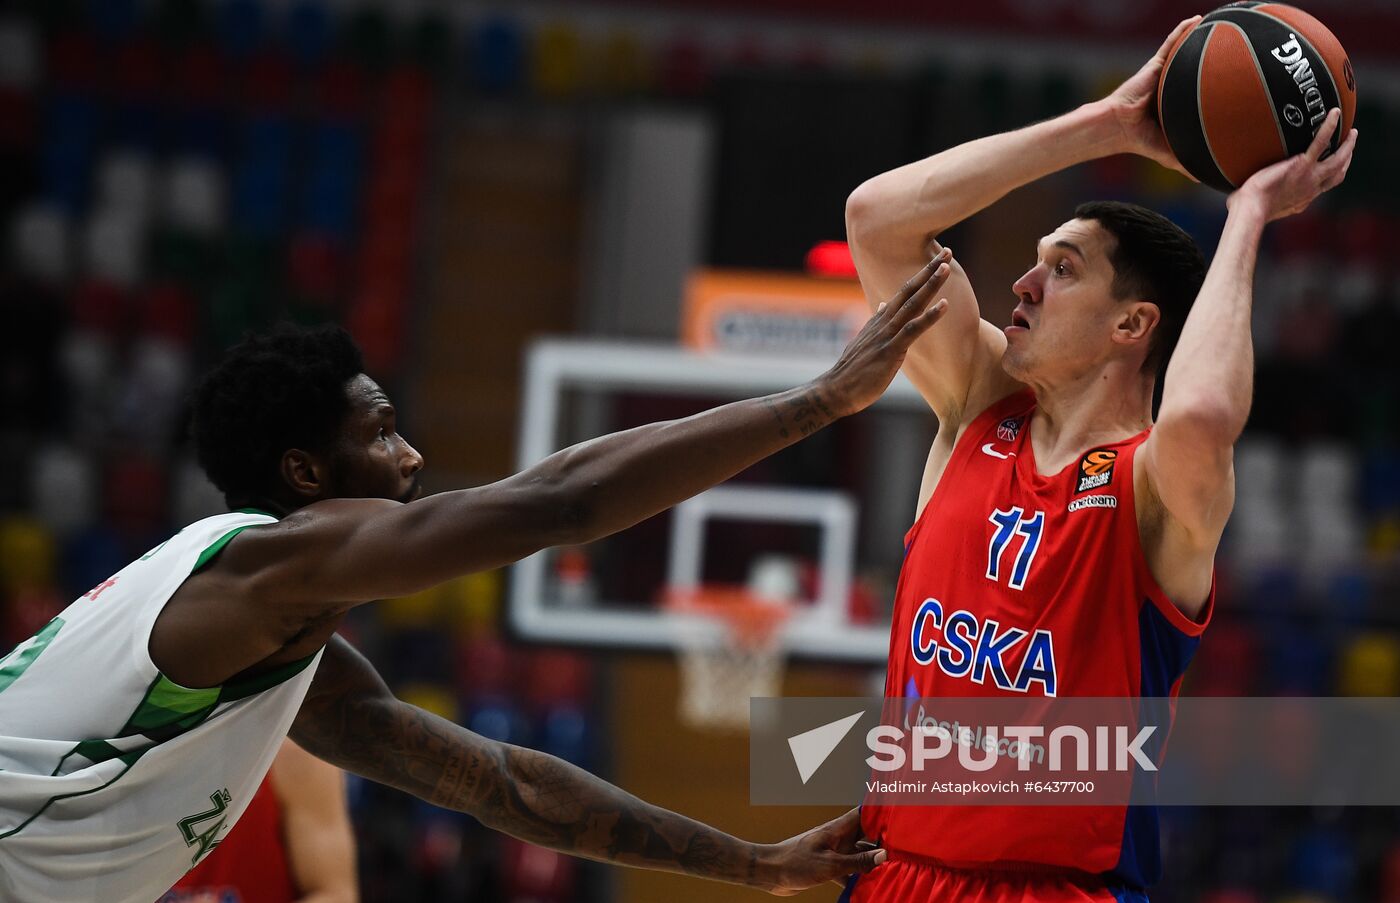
(828, 852)
(1289, 186)
(869, 363)
(1134, 105)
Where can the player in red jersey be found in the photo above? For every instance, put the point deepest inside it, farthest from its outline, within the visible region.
(1064, 542)
(293, 844)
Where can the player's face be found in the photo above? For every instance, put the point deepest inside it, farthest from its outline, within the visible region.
(372, 460)
(1061, 328)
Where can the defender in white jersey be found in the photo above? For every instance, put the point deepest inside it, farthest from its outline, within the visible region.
(135, 727)
(110, 743)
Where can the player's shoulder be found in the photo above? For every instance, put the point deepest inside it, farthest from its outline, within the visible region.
(991, 401)
(1001, 417)
(281, 545)
(989, 384)
(203, 537)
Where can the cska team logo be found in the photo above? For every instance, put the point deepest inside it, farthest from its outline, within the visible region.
(1008, 428)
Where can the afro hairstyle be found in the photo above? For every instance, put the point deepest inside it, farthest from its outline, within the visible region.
(274, 391)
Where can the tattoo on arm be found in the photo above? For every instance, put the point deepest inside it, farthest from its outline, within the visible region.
(807, 413)
(360, 727)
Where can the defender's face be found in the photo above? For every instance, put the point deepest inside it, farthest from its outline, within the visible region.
(371, 459)
(1064, 321)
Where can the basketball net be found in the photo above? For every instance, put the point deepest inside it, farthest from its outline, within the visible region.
(728, 647)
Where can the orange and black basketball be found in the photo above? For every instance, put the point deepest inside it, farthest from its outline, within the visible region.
(1249, 86)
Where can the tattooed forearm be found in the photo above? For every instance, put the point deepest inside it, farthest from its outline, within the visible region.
(528, 794)
(804, 414)
(548, 801)
(371, 736)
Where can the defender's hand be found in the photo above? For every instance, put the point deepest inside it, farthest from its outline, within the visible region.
(1134, 106)
(1289, 186)
(870, 361)
(825, 853)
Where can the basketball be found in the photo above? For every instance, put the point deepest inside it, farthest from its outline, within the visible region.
(1249, 86)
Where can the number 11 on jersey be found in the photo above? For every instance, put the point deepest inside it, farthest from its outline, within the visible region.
(1009, 523)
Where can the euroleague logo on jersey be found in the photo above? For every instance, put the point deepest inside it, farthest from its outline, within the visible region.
(1096, 469)
(1009, 428)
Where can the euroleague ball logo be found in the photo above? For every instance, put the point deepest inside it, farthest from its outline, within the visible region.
(1299, 67)
(1096, 469)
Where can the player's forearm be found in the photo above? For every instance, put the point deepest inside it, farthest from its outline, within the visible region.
(577, 495)
(547, 801)
(524, 793)
(359, 550)
(1210, 379)
(913, 203)
(617, 480)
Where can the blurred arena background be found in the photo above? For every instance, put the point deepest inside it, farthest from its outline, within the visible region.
(455, 181)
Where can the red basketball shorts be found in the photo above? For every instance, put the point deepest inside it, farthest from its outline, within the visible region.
(902, 880)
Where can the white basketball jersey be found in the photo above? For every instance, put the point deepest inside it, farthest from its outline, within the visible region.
(115, 781)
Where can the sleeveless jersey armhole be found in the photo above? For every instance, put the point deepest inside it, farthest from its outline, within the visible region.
(1174, 616)
(178, 575)
(1016, 401)
(214, 548)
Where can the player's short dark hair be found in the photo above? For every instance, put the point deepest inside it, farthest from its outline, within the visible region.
(274, 391)
(1153, 260)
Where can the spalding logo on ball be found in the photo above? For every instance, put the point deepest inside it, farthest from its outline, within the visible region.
(1249, 86)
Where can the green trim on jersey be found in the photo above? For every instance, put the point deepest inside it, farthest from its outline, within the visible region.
(169, 709)
(167, 704)
(166, 710)
(128, 759)
(216, 547)
(38, 643)
(249, 686)
(95, 751)
(170, 696)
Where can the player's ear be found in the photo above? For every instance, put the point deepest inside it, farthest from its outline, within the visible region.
(304, 472)
(1136, 321)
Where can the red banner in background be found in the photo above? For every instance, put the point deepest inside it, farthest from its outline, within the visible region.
(1365, 27)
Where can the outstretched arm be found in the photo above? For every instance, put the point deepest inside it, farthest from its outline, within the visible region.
(892, 222)
(273, 586)
(333, 554)
(1188, 460)
(350, 719)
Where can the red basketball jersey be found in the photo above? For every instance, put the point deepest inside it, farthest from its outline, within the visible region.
(249, 865)
(1016, 583)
